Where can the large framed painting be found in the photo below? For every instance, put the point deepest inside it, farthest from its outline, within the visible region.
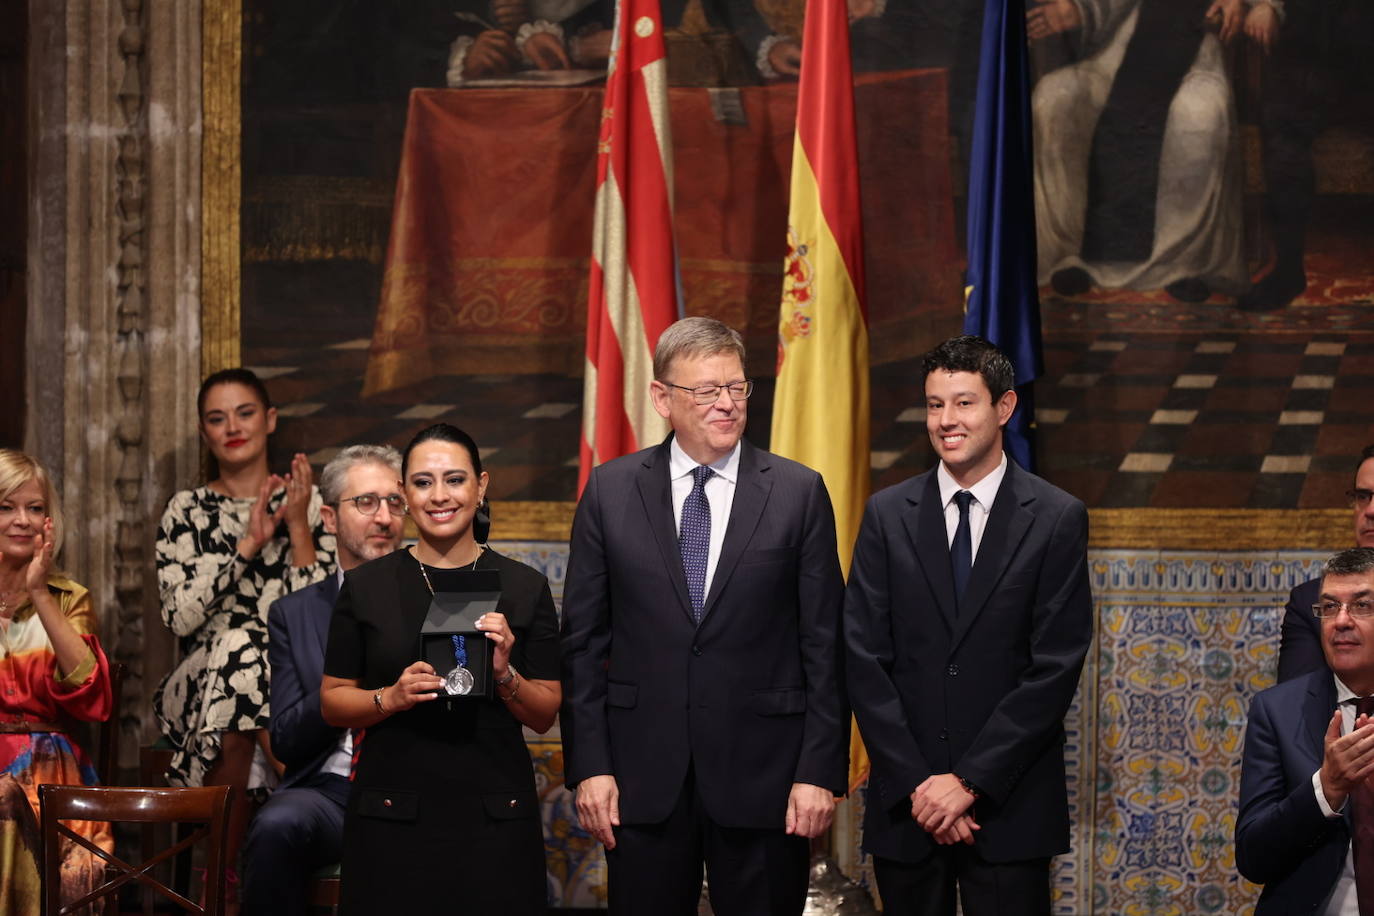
(397, 205)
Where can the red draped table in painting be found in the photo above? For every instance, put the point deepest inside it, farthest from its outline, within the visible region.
(486, 269)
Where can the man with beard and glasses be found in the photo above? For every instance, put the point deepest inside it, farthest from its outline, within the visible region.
(301, 827)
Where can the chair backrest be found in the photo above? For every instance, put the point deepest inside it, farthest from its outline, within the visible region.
(107, 742)
(206, 806)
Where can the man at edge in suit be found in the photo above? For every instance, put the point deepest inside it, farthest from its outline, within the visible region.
(300, 828)
(1305, 778)
(704, 716)
(1300, 639)
(967, 617)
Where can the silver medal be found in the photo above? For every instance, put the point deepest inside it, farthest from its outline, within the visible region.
(458, 682)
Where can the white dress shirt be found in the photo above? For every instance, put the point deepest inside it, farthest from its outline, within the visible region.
(984, 492)
(720, 493)
(1342, 901)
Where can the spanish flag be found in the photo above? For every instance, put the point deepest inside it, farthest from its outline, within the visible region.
(820, 410)
(634, 291)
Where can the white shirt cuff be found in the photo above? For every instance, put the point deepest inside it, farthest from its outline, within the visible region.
(761, 59)
(1321, 796)
(457, 59)
(529, 29)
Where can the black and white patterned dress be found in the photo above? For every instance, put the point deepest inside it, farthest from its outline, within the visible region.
(216, 603)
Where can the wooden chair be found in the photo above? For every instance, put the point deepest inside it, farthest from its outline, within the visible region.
(324, 888)
(207, 807)
(153, 761)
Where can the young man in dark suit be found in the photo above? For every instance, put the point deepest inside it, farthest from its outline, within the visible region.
(1300, 642)
(704, 716)
(1309, 756)
(967, 617)
(300, 828)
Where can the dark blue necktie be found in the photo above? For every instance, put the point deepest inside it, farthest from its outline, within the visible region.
(961, 551)
(695, 538)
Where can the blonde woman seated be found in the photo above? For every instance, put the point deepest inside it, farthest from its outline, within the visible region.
(52, 674)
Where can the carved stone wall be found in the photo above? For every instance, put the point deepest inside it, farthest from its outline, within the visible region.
(114, 329)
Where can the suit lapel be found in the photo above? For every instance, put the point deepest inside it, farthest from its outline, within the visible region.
(925, 525)
(656, 492)
(1011, 517)
(1316, 714)
(322, 613)
(751, 496)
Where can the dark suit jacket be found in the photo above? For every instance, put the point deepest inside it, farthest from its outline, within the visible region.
(297, 627)
(1283, 840)
(753, 698)
(981, 691)
(1300, 640)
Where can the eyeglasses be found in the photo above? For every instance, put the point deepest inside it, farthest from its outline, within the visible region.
(1360, 607)
(709, 394)
(369, 503)
(1359, 496)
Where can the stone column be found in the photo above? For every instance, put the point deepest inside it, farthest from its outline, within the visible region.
(114, 300)
(172, 451)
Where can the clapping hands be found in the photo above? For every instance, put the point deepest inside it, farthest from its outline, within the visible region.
(294, 509)
(40, 564)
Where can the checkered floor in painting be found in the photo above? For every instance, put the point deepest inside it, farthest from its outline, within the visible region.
(1206, 417)
(526, 426)
(1207, 420)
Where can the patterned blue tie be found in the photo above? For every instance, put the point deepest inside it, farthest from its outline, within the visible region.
(961, 551)
(695, 538)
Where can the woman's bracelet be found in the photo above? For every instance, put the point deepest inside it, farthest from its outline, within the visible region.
(514, 691)
(510, 676)
(377, 701)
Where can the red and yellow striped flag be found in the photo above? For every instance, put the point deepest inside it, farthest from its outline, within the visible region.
(820, 411)
(634, 286)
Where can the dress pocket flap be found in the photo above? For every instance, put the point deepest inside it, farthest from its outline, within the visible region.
(389, 804)
(506, 806)
(779, 701)
(623, 695)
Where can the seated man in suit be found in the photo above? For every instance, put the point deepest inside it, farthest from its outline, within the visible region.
(967, 617)
(1305, 788)
(300, 828)
(1300, 643)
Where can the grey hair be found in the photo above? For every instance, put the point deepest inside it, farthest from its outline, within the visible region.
(693, 337)
(334, 473)
(1350, 562)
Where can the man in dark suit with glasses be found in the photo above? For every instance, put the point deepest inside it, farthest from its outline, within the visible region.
(1300, 647)
(1305, 828)
(704, 715)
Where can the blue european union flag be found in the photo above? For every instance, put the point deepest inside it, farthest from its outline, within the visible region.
(1003, 300)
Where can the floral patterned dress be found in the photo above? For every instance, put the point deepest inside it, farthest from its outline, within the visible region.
(217, 602)
(38, 704)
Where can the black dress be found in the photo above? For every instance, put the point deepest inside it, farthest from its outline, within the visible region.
(443, 816)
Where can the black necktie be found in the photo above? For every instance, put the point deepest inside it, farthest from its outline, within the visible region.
(694, 538)
(961, 551)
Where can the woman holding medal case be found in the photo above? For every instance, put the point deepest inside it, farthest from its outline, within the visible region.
(443, 813)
